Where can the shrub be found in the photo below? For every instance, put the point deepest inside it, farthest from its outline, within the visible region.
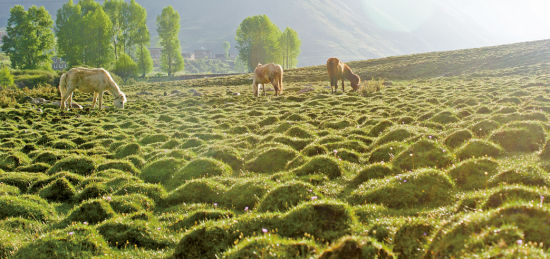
(373, 171)
(162, 170)
(422, 188)
(520, 137)
(271, 246)
(326, 165)
(271, 160)
(121, 165)
(424, 153)
(286, 196)
(25, 206)
(458, 138)
(128, 150)
(196, 191)
(245, 194)
(121, 232)
(125, 67)
(478, 148)
(76, 241)
(58, 190)
(386, 152)
(91, 211)
(74, 164)
(473, 173)
(356, 247)
(199, 168)
(198, 217)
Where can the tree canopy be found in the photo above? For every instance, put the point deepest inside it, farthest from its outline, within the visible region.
(168, 26)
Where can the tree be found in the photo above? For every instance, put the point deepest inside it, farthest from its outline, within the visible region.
(113, 9)
(69, 35)
(127, 19)
(125, 67)
(97, 38)
(290, 48)
(143, 56)
(226, 47)
(29, 41)
(6, 78)
(258, 41)
(168, 29)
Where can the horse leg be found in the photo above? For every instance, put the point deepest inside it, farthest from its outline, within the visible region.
(275, 86)
(71, 100)
(343, 91)
(101, 100)
(281, 85)
(94, 100)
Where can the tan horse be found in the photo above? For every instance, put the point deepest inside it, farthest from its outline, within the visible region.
(89, 80)
(337, 70)
(269, 73)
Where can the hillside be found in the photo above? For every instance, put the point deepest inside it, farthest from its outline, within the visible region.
(346, 29)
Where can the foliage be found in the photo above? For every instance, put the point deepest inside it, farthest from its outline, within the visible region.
(289, 48)
(258, 41)
(168, 26)
(6, 78)
(125, 67)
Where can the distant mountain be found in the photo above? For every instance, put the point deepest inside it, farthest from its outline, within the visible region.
(344, 29)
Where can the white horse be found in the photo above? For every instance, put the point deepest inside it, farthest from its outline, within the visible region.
(89, 80)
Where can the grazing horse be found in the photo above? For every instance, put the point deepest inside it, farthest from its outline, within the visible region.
(268, 73)
(338, 70)
(89, 80)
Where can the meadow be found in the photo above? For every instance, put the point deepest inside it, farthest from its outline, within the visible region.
(439, 155)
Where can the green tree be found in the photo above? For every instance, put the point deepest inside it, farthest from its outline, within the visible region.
(258, 41)
(128, 18)
(113, 9)
(97, 38)
(6, 78)
(290, 48)
(226, 47)
(168, 26)
(69, 33)
(125, 67)
(29, 41)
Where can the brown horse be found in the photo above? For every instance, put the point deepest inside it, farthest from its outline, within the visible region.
(337, 70)
(268, 73)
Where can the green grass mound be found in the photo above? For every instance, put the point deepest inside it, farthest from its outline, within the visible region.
(272, 246)
(131, 203)
(77, 241)
(528, 175)
(155, 138)
(91, 211)
(299, 132)
(508, 252)
(286, 196)
(196, 191)
(484, 127)
(354, 145)
(122, 165)
(545, 153)
(92, 191)
(246, 194)
(137, 161)
(314, 150)
(192, 143)
(23, 181)
(520, 137)
(271, 160)
(63, 144)
(386, 152)
(457, 138)
(324, 220)
(6, 189)
(199, 168)
(127, 150)
(162, 170)
(74, 164)
(379, 128)
(394, 135)
(74, 179)
(511, 193)
(473, 173)
(153, 191)
(348, 155)
(9, 243)
(34, 168)
(373, 171)
(268, 121)
(296, 143)
(424, 153)
(48, 157)
(421, 188)
(121, 233)
(10, 161)
(326, 165)
(198, 217)
(336, 125)
(357, 248)
(58, 190)
(228, 155)
(478, 148)
(444, 117)
(531, 220)
(411, 238)
(25, 206)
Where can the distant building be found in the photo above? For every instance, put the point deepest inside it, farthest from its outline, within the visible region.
(155, 55)
(59, 64)
(203, 54)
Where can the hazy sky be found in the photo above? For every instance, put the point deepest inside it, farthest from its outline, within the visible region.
(508, 20)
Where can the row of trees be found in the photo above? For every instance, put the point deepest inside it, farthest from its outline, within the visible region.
(261, 41)
(88, 33)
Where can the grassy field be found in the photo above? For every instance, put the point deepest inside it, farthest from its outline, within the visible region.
(447, 157)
